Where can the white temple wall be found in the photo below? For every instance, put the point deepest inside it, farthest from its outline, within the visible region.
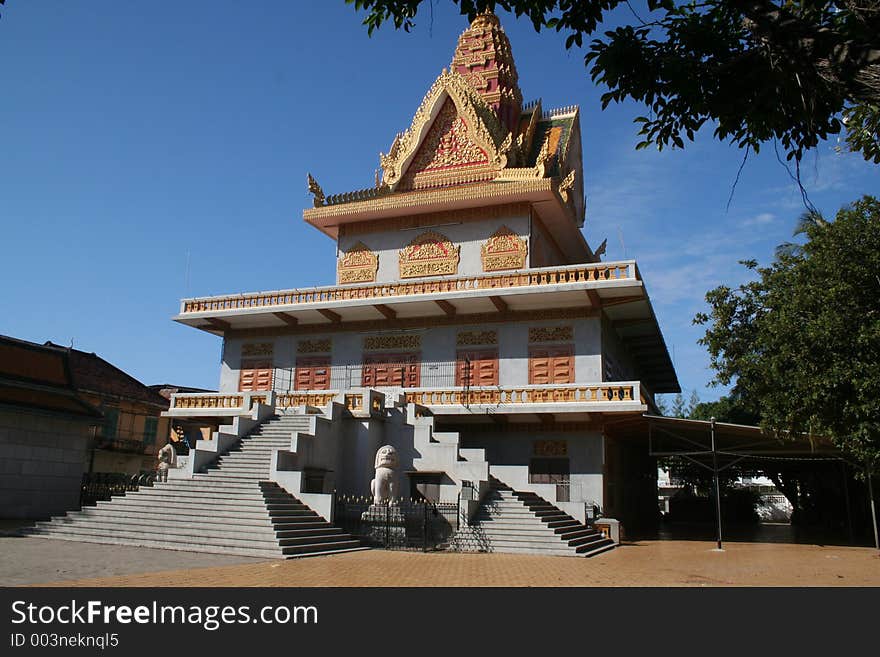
(469, 234)
(585, 452)
(438, 345)
(617, 364)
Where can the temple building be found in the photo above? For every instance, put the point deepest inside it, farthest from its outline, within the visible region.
(471, 325)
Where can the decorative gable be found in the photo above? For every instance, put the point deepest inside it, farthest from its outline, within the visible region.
(358, 265)
(452, 125)
(446, 146)
(504, 250)
(429, 254)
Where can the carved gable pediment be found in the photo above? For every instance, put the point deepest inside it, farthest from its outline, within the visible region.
(358, 265)
(504, 250)
(429, 254)
(446, 149)
(455, 137)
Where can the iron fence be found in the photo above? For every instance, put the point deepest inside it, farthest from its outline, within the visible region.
(101, 486)
(402, 525)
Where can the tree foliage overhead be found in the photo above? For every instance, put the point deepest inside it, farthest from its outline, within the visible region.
(786, 71)
(802, 341)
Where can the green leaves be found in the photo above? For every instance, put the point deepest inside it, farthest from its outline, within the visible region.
(788, 71)
(802, 340)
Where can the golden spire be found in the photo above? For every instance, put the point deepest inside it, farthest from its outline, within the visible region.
(483, 57)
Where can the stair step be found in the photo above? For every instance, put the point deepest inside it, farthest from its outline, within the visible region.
(183, 547)
(326, 530)
(320, 547)
(169, 537)
(258, 531)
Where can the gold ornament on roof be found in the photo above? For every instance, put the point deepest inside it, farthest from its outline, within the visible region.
(316, 192)
(566, 185)
(481, 124)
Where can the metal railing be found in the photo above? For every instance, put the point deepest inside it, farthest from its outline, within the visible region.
(101, 486)
(403, 525)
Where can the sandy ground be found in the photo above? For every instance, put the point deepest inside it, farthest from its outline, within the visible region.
(40, 561)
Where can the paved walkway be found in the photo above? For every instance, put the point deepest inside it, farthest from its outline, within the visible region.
(642, 563)
(34, 560)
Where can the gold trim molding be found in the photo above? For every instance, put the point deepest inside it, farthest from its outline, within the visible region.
(257, 349)
(467, 338)
(551, 334)
(429, 254)
(506, 211)
(550, 448)
(379, 342)
(504, 250)
(322, 346)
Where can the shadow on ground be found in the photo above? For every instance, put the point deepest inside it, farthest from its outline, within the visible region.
(747, 533)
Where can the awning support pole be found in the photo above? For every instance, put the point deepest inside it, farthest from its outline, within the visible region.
(717, 486)
(870, 475)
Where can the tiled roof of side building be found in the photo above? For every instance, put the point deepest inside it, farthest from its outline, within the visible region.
(38, 376)
(93, 374)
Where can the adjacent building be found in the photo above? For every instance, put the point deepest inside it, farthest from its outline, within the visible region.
(65, 412)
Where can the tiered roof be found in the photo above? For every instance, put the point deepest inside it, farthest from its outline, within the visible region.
(472, 143)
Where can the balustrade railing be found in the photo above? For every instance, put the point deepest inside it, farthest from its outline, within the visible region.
(604, 271)
(538, 394)
(439, 396)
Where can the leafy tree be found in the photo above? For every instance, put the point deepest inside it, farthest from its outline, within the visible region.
(788, 71)
(678, 408)
(803, 339)
(729, 409)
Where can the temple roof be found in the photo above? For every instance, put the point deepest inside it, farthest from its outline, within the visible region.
(472, 131)
(484, 58)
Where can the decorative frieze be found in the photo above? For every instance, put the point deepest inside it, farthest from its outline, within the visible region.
(468, 338)
(551, 448)
(358, 265)
(378, 342)
(429, 254)
(504, 211)
(257, 349)
(551, 334)
(504, 250)
(322, 346)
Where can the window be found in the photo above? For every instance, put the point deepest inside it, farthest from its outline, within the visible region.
(151, 426)
(391, 370)
(476, 368)
(312, 373)
(255, 375)
(111, 422)
(549, 365)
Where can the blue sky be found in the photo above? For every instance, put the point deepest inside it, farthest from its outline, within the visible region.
(150, 152)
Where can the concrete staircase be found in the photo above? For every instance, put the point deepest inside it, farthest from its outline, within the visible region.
(230, 508)
(522, 522)
(441, 451)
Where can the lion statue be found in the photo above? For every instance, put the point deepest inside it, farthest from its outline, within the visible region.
(167, 458)
(384, 486)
